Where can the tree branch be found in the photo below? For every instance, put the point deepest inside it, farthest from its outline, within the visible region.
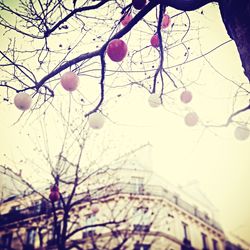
(101, 84)
(72, 13)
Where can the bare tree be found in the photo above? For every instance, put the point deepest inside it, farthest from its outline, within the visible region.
(42, 39)
(78, 198)
(81, 210)
(54, 35)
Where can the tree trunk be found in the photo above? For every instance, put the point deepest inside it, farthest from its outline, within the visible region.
(236, 17)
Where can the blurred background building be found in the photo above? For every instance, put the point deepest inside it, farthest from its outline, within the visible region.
(133, 210)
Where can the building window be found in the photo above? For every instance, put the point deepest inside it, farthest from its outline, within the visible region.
(142, 219)
(138, 184)
(37, 206)
(90, 221)
(204, 241)
(142, 216)
(15, 209)
(53, 233)
(186, 231)
(215, 245)
(31, 235)
(141, 246)
(6, 241)
(176, 199)
(60, 204)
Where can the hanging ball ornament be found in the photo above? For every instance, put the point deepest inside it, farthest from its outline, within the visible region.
(154, 100)
(54, 196)
(94, 209)
(166, 20)
(155, 42)
(186, 96)
(96, 120)
(117, 50)
(69, 81)
(54, 193)
(22, 101)
(139, 4)
(191, 119)
(126, 19)
(241, 133)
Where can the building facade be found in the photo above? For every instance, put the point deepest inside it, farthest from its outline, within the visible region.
(133, 214)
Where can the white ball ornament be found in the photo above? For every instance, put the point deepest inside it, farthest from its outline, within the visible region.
(69, 81)
(96, 120)
(154, 100)
(22, 101)
(186, 96)
(241, 133)
(191, 119)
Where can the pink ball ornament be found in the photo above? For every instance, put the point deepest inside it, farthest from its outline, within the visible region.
(69, 81)
(155, 41)
(22, 101)
(241, 133)
(117, 50)
(154, 100)
(126, 19)
(94, 209)
(166, 20)
(191, 119)
(96, 120)
(186, 96)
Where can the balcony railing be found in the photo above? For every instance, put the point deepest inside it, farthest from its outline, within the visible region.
(126, 188)
(88, 233)
(22, 214)
(159, 191)
(141, 228)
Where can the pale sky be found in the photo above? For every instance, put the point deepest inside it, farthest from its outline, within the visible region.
(212, 157)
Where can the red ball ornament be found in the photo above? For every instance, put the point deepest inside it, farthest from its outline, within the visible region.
(191, 119)
(54, 196)
(166, 20)
(126, 19)
(139, 4)
(186, 96)
(69, 81)
(155, 41)
(117, 50)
